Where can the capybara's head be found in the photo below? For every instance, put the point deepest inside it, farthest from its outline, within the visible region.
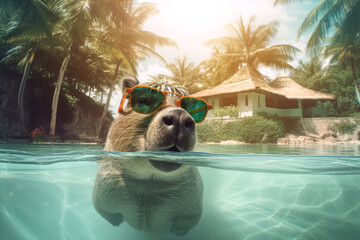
(170, 128)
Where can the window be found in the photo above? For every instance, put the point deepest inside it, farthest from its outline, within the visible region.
(228, 101)
(280, 102)
(259, 104)
(246, 100)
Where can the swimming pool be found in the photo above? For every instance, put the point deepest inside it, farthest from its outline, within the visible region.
(250, 192)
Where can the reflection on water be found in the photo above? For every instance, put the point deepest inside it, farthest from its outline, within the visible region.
(255, 193)
(151, 196)
(289, 207)
(328, 150)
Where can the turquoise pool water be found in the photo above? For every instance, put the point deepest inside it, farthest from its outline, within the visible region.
(250, 192)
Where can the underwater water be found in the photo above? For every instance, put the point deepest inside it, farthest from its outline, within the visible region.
(250, 192)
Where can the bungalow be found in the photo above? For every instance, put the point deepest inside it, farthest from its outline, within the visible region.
(249, 90)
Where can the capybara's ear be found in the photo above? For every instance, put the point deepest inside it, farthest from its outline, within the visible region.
(129, 82)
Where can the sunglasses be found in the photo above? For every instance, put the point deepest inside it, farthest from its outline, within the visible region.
(147, 100)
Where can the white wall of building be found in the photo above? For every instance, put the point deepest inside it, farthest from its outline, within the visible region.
(214, 102)
(256, 104)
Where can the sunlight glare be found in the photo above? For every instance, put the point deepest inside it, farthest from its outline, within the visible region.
(194, 16)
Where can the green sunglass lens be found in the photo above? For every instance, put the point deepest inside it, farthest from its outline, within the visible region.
(196, 107)
(146, 100)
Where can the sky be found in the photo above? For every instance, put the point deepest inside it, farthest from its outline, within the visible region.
(190, 23)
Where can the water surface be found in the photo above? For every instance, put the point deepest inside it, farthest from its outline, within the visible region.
(250, 192)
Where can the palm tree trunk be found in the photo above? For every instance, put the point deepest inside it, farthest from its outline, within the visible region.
(29, 61)
(106, 107)
(357, 90)
(352, 64)
(57, 91)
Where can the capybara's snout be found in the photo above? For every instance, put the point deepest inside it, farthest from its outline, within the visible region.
(173, 129)
(177, 125)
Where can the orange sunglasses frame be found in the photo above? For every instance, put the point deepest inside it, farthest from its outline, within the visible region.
(128, 92)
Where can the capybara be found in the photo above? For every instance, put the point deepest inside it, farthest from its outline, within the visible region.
(152, 196)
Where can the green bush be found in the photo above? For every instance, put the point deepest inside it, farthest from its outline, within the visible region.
(343, 127)
(231, 111)
(357, 114)
(210, 131)
(253, 129)
(248, 129)
(268, 115)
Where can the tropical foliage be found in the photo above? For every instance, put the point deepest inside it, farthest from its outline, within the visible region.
(310, 74)
(343, 127)
(70, 51)
(184, 73)
(338, 20)
(93, 43)
(333, 79)
(127, 43)
(78, 17)
(31, 26)
(248, 129)
(247, 45)
(164, 84)
(324, 16)
(345, 51)
(230, 111)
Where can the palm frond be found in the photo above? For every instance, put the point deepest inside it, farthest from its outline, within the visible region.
(331, 13)
(161, 82)
(36, 15)
(146, 51)
(348, 28)
(248, 45)
(233, 31)
(153, 40)
(287, 1)
(285, 49)
(263, 34)
(222, 44)
(275, 64)
(13, 52)
(22, 33)
(143, 12)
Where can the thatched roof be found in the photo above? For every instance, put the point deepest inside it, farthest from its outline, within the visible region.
(292, 90)
(248, 79)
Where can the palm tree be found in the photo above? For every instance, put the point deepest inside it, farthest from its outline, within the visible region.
(120, 70)
(323, 17)
(215, 70)
(345, 50)
(246, 46)
(33, 28)
(315, 75)
(333, 79)
(161, 82)
(29, 51)
(308, 73)
(184, 73)
(34, 15)
(126, 43)
(79, 17)
(344, 43)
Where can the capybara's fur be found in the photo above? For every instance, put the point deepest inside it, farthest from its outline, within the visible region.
(149, 195)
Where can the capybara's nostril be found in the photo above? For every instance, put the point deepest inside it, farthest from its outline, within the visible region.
(168, 119)
(189, 122)
(178, 120)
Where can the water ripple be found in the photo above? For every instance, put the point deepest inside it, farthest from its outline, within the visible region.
(262, 163)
